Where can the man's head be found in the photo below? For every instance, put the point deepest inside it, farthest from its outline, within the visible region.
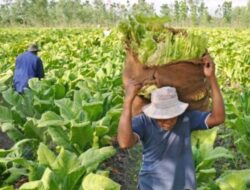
(33, 48)
(165, 107)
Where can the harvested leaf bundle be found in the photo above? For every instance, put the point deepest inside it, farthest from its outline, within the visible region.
(155, 44)
(165, 57)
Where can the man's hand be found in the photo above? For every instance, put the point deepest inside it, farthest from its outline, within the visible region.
(132, 88)
(217, 115)
(209, 68)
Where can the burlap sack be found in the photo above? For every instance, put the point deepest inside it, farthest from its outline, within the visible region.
(186, 76)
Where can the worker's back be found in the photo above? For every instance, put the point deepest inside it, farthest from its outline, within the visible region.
(28, 65)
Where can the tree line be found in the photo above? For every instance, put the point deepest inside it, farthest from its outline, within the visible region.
(77, 12)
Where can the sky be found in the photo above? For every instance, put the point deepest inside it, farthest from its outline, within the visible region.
(211, 4)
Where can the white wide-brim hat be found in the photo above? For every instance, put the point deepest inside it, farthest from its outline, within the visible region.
(164, 104)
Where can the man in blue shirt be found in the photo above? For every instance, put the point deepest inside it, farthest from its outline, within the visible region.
(164, 128)
(28, 65)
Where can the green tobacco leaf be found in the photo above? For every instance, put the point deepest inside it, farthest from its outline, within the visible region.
(65, 163)
(81, 134)
(12, 132)
(93, 110)
(36, 171)
(4, 153)
(71, 182)
(204, 139)
(11, 97)
(6, 115)
(49, 180)
(33, 185)
(50, 118)
(65, 106)
(15, 174)
(215, 154)
(99, 182)
(7, 188)
(205, 175)
(234, 179)
(101, 130)
(32, 131)
(59, 91)
(5, 77)
(93, 157)
(219, 152)
(45, 155)
(60, 136)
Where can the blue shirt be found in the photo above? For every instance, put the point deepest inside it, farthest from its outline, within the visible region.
(28, 65)
(167, 155)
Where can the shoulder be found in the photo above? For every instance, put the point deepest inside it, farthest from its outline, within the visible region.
(143, 118)
(195, 113)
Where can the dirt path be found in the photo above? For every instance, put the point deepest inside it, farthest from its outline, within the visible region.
(5, 142)
(125, 167)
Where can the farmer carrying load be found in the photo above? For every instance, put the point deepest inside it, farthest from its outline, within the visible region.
(176, 61)
(164, 128)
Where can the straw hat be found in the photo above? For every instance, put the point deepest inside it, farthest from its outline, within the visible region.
(164, 104)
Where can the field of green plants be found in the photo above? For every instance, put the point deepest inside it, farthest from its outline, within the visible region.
(63, 125)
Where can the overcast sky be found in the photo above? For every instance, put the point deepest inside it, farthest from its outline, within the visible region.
(212, 4)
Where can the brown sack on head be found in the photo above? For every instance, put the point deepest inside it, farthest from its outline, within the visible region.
(186, 76)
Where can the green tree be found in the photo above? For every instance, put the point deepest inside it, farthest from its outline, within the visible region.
(194, 10)
(176, 11)
(227, 11)
(165, 10)
(142, 7)
(183, 10)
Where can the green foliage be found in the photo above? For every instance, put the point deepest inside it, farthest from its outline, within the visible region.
(233, 179)
(99, 182)
(76, 107)
(205, 155)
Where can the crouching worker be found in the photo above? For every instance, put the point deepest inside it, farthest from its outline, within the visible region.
(164, 128)
(28, 65)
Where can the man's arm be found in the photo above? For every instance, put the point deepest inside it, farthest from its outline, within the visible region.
(217, 115)
(126, 137)
(40, 70)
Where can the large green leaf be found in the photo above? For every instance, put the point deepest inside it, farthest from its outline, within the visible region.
(211, 156)
(33, 185)
(15, 174)
(204, 140)
(11, 97)
(93, 110)
(234, 180)
(205, 175)
(7, 188)
(93, 157)
(81, 134)
(6, 115)
(49, 180)
(99, 182)
(59, 91)
(65, 106)
(13, 132)
(71, 181)
(45, 155)
(101, 130)
(60, 136)
(5, 77)
(32, 131)
(50, 118)
(65, 163)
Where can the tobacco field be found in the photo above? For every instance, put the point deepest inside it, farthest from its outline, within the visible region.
(63, 127)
